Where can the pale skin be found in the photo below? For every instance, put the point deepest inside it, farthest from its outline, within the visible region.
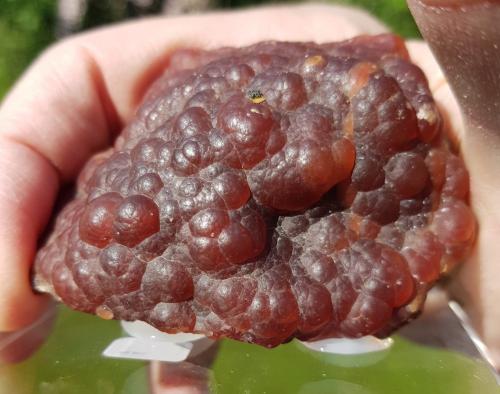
(78, 95)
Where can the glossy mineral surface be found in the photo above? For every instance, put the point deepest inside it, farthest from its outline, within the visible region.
(269, 192)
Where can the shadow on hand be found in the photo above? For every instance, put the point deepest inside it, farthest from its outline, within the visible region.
(19, 345)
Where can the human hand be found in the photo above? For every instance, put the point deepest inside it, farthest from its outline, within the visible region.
(81, 92)
(464, 35)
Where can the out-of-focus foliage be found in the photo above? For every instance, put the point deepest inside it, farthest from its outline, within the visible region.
(100, 12)
(394, 13)
(246, 3)
(26, 27)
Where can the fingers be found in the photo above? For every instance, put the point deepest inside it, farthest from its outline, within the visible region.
(87, 87)
(78, 93)
(60, 109)
(28, 186)
(52, 121)
(178, 378)
(149, 42)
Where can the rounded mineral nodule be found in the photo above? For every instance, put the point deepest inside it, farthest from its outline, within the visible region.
(273, 191)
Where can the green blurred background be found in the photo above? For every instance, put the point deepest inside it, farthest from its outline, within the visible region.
(28, 26)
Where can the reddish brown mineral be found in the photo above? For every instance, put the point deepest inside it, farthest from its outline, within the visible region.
(269, 192)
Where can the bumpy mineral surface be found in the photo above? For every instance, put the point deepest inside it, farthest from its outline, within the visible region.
(263, 193)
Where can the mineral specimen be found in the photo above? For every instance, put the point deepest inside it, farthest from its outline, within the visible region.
(263, 193)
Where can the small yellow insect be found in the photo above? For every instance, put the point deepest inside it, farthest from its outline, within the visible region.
(256, 96)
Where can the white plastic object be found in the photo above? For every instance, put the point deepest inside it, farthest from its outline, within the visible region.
(147, 343)
(350, 353)
(346, 346)
(141, 349)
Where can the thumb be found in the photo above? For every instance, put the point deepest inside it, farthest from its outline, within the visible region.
(465, 38)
